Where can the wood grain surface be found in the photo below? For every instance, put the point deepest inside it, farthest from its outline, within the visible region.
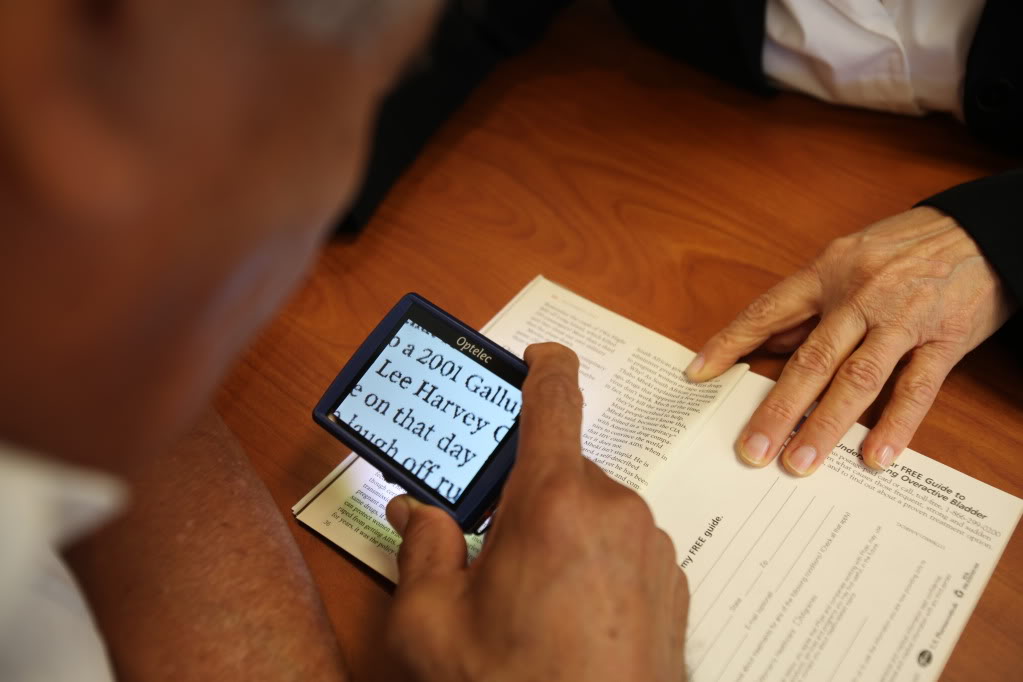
(653, 190)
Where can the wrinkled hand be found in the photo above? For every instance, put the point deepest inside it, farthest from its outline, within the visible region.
(912, 285)
(574, 581)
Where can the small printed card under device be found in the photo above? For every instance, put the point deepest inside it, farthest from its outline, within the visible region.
(434, 406)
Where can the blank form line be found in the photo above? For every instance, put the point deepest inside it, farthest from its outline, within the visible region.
(731, 658)
(771, 522)
(725, 550)
(781, 544)
(847, 650)
(746, 556)
(714, 641)
(791, 528)
(750, 588)
(800, 555)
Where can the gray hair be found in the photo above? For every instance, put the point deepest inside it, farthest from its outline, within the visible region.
(350, 19)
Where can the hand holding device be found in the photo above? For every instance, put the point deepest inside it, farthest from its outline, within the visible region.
(575, 582)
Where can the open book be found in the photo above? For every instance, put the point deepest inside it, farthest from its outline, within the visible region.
(849, 574)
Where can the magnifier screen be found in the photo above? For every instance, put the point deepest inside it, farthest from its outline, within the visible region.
(434, 401)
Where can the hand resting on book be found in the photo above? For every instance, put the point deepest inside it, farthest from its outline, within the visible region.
(574, 582)
(914, 286)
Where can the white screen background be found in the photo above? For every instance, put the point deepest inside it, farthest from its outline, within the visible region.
(432, 409)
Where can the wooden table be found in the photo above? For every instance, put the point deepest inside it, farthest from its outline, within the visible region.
(653, 190)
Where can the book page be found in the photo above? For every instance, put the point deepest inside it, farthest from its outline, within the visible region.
(849, 574)
(639, 409)
(348, 508)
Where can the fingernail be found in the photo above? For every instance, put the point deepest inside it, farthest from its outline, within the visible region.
(695, 365)
(802, 459)
(398, 512)
(885, 457)
(754, 448)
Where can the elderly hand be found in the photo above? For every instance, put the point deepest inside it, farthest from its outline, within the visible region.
(914, 285)
(574, 581)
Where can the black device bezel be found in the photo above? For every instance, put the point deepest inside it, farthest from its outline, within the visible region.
(481, 495)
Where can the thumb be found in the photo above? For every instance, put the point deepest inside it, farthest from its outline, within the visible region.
(431, 542)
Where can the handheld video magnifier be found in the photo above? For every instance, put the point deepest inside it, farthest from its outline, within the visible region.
(432, 404)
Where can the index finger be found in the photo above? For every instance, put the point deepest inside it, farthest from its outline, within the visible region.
(550, 422)
(785, 305)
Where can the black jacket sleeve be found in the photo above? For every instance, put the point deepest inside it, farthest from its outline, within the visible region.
(472, 37)
(991, 210)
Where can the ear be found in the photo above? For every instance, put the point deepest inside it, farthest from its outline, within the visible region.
(60, 142)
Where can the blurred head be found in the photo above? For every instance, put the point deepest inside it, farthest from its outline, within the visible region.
(167, 171)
